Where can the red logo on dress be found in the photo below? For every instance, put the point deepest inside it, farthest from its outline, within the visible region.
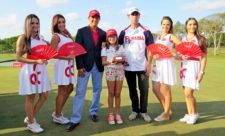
(68, 70)
(34, 76)
(182, 71)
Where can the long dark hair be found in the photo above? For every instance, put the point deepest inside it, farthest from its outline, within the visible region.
(55, 28)
(201, 39)
(171, 23)
(27, 32)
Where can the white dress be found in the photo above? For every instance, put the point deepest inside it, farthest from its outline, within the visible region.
(34, 78)
(164, 70)
(189, 69)
(64, 69)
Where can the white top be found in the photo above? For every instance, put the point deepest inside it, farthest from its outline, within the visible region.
(112, 52)
(64, 69)
(165, 41)
(34, 78)
(35, 42)
(194, 40)
(63, 39)
(134, 43)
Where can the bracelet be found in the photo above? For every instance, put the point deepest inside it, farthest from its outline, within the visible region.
(202, 72)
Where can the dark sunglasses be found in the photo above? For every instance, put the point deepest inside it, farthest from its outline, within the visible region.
(135, 13)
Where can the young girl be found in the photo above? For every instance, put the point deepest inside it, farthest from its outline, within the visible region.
(63, 69)
(164, 70)
(192, 70)
(114, 73)
(33, 77)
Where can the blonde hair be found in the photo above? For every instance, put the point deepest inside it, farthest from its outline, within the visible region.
(28, 31)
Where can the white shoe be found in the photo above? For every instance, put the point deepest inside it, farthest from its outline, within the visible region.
(133, 115)
(185, 118)
(146, 117)
(34, 121)
(161, 117)
(34, 128)
(60, 120)
(192, 119)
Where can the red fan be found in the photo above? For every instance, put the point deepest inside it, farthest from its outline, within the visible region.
(71, 48)
(159, 49)
(42, 52)
(189, 48)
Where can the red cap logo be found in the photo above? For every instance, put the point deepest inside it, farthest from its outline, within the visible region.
(111, 32)
(94, 13)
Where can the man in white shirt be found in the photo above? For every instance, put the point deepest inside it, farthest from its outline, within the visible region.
(135, 38)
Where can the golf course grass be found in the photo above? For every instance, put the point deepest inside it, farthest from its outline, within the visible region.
(210, 103)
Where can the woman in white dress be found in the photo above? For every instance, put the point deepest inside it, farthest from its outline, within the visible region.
(34, 78)
(63, 68)
(192, 70)
(164, 70)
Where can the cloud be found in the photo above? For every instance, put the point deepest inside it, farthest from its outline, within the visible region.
(128, 4)
(8, 21)
(72, 17)
(10, 26)
(50, 3)
(105, 26)
(203, 5)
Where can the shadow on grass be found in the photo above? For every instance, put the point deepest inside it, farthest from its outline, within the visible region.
(12, 115)
(202, 132)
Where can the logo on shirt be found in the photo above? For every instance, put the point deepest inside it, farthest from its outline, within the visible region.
(128, 39)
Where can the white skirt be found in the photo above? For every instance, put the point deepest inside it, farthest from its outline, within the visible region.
(189, 74)
(164, 71)
(64, 72)
(34, 79)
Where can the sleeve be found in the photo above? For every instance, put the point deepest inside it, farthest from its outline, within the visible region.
(121, 37)
(79, 59)
(104, 38)
(148, 38)
(103, 52)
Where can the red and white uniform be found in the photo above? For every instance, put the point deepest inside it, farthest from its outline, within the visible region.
(164, 70)
(64, 69)
(135, 47)
(34, 78)
(189, 69)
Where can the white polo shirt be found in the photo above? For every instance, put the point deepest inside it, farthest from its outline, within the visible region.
(112, 52)
(134, 43)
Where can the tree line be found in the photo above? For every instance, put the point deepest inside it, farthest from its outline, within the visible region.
(211, 27)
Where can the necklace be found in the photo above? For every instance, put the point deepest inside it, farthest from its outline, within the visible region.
(190, 37)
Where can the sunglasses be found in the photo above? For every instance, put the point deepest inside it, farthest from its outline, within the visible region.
(135, 13)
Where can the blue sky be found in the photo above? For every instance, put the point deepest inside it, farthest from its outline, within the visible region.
(113, 13)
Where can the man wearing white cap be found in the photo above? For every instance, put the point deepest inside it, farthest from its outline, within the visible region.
(135, 38)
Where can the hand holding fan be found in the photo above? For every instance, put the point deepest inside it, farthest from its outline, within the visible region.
(189, 49)
(159, 49)
(42, 52)
(71, 48)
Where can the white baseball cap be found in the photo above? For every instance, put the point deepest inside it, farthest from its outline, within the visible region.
(132, 9)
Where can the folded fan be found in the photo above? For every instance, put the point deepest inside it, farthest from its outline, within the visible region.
(42, 52)
(71, 48)
(189, 48)
(159, 49)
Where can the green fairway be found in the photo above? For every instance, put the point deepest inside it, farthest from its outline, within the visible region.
(210, 102)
